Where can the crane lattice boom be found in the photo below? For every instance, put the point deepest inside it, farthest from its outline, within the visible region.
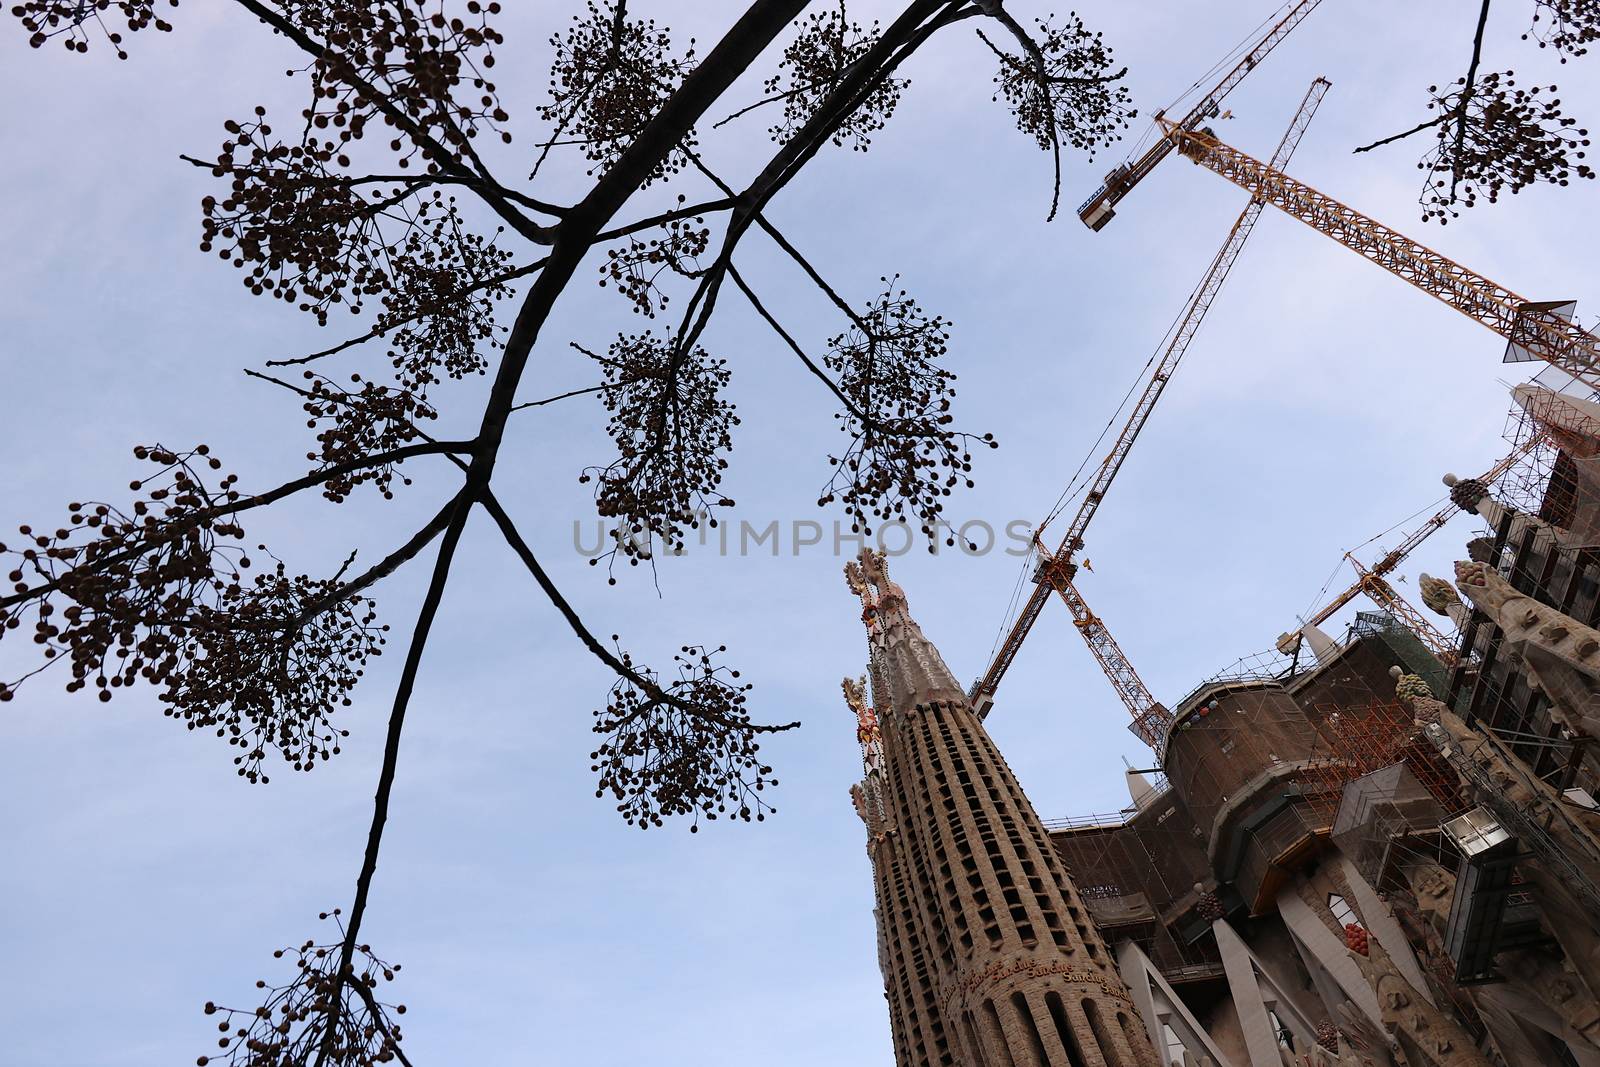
(982, 694)
(1150, 716)
(1388, 597)
(1099, 208)
(1532, 327)
(1395, 556)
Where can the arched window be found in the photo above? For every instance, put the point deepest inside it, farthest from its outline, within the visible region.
(1343, 913)
(1174, 1043)
(1284, 1036)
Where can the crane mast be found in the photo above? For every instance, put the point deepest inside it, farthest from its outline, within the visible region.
(1530, 327)
(1100, 208)
(1105, 649)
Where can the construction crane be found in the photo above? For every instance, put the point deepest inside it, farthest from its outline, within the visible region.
(1397, 555)
(1387, 597)
(1099, 209)
(1056, 570)
(1150, 717)
(1373, 581)
(1531, 329)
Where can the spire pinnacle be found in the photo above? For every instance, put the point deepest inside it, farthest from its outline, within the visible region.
(907, 669)
(868, 732)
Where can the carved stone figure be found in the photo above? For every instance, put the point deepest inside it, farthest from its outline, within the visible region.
(1428, 1036)
(1561, 654)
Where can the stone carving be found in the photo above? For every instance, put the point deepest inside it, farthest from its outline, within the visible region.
(1481, 549)
(867, 795)
(907, 670)
(858, 800)
(1429, 1037)
(1415, 693)
(1466, 493)
(1322, 1057)
(857, 582)
(1544, 976)
(1437, 594)
(1561, 655)
(1433, 885)
(868, 733)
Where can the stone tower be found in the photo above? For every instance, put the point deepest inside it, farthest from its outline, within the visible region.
(989, 956)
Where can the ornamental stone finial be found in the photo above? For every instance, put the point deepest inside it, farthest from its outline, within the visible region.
(1416, 694)
(890, 599)
(1411, 687)
(874, 565)
(856, 580)
(1466, 493)
(1437, 594)
(1471, 572)
(868, 731)
(855, 694)
(906, 669)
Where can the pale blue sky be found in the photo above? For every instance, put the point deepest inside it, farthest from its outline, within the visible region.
(1320, 405)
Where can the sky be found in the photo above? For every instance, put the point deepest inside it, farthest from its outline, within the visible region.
(1319, 406)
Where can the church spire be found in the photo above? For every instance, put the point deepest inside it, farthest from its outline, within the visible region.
(989, 956)
(907, 668)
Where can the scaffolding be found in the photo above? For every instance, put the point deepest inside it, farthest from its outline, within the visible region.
(1137, 872)
(1388, 820)
(1557, 422)
(1364, 740)
(1550, 561)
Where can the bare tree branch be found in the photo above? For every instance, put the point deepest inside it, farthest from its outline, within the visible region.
(559, 396)
(384, 325)
(1418, 128)
(520, 546)
(1467, 88)
(456, 518)
(259, 500)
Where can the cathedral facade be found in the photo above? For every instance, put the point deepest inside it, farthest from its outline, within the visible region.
(1370, 855)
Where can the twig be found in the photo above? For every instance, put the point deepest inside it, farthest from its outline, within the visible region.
(1042, 75)
(558, 396)
(1418, 128)
(371, 1002)
(493, 193)
(783, 243)
(415, 181)
(261, 500)
(721, 204)
(385, 325)
(520, 546)
(384, 567)
(786, 94)
(794, 346)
